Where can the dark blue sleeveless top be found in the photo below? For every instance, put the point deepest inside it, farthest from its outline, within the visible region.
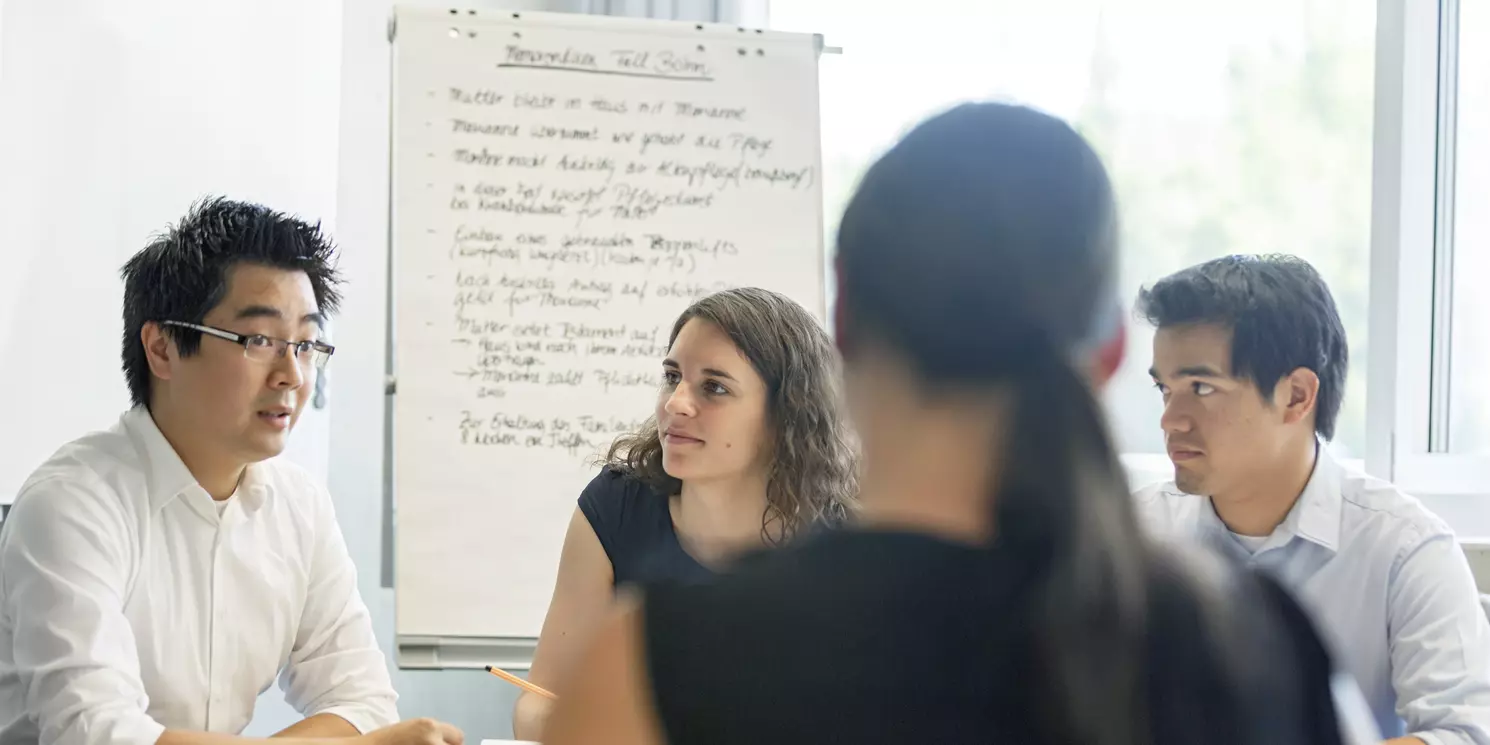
(635, 528)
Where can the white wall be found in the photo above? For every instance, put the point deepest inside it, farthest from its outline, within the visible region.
(114, 117)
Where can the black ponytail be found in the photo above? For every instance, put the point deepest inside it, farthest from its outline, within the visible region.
(981, 248)
(1063, 503)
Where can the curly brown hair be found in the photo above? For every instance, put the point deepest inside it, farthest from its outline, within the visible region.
(814, 469)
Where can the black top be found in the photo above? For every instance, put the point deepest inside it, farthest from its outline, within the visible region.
(878, 637)
(634, 526)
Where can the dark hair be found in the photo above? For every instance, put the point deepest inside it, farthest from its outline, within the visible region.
(1280, 314)
(814, 469)
(183, 274)
(981, 249)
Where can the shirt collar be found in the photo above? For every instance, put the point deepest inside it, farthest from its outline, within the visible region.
(255, 489)
(1315, 516)
(167, 477)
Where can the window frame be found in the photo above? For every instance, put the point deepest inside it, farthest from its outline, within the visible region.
(1408, 255)
(1411, 253)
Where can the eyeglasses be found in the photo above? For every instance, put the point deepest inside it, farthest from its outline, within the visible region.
(262, 348)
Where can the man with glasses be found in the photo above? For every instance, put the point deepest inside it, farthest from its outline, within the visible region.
(154, 578)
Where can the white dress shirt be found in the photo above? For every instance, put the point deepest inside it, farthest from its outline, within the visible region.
(128, 605)
(1388, 586)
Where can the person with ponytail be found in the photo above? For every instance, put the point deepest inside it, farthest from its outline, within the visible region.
(995, 585)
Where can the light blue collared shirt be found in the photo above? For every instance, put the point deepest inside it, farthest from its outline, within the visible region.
(1388, 586)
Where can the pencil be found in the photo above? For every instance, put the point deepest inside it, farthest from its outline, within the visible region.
(520, 683)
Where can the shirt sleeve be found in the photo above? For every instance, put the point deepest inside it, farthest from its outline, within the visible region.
(335, 665)
(65, 563)
(1440, 646)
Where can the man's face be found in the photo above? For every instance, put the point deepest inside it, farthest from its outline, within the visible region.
(1220, 430)
(237, 407)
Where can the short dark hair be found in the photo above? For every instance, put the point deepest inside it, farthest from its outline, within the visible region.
(182, 274)
(1280, 314)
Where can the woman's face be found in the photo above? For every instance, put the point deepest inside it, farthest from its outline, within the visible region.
(712, 409)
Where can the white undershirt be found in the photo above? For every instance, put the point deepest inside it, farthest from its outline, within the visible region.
(1251, 542)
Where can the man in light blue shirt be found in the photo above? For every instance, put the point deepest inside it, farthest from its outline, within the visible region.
(1250, 356)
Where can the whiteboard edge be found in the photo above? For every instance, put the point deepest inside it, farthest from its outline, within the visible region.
(586, 21)
(388, 569)
(463, 652)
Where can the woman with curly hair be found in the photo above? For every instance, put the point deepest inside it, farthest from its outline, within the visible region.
(747, 450)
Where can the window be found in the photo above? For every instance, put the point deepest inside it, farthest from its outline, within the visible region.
(1469, 319)
(1228, 128)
